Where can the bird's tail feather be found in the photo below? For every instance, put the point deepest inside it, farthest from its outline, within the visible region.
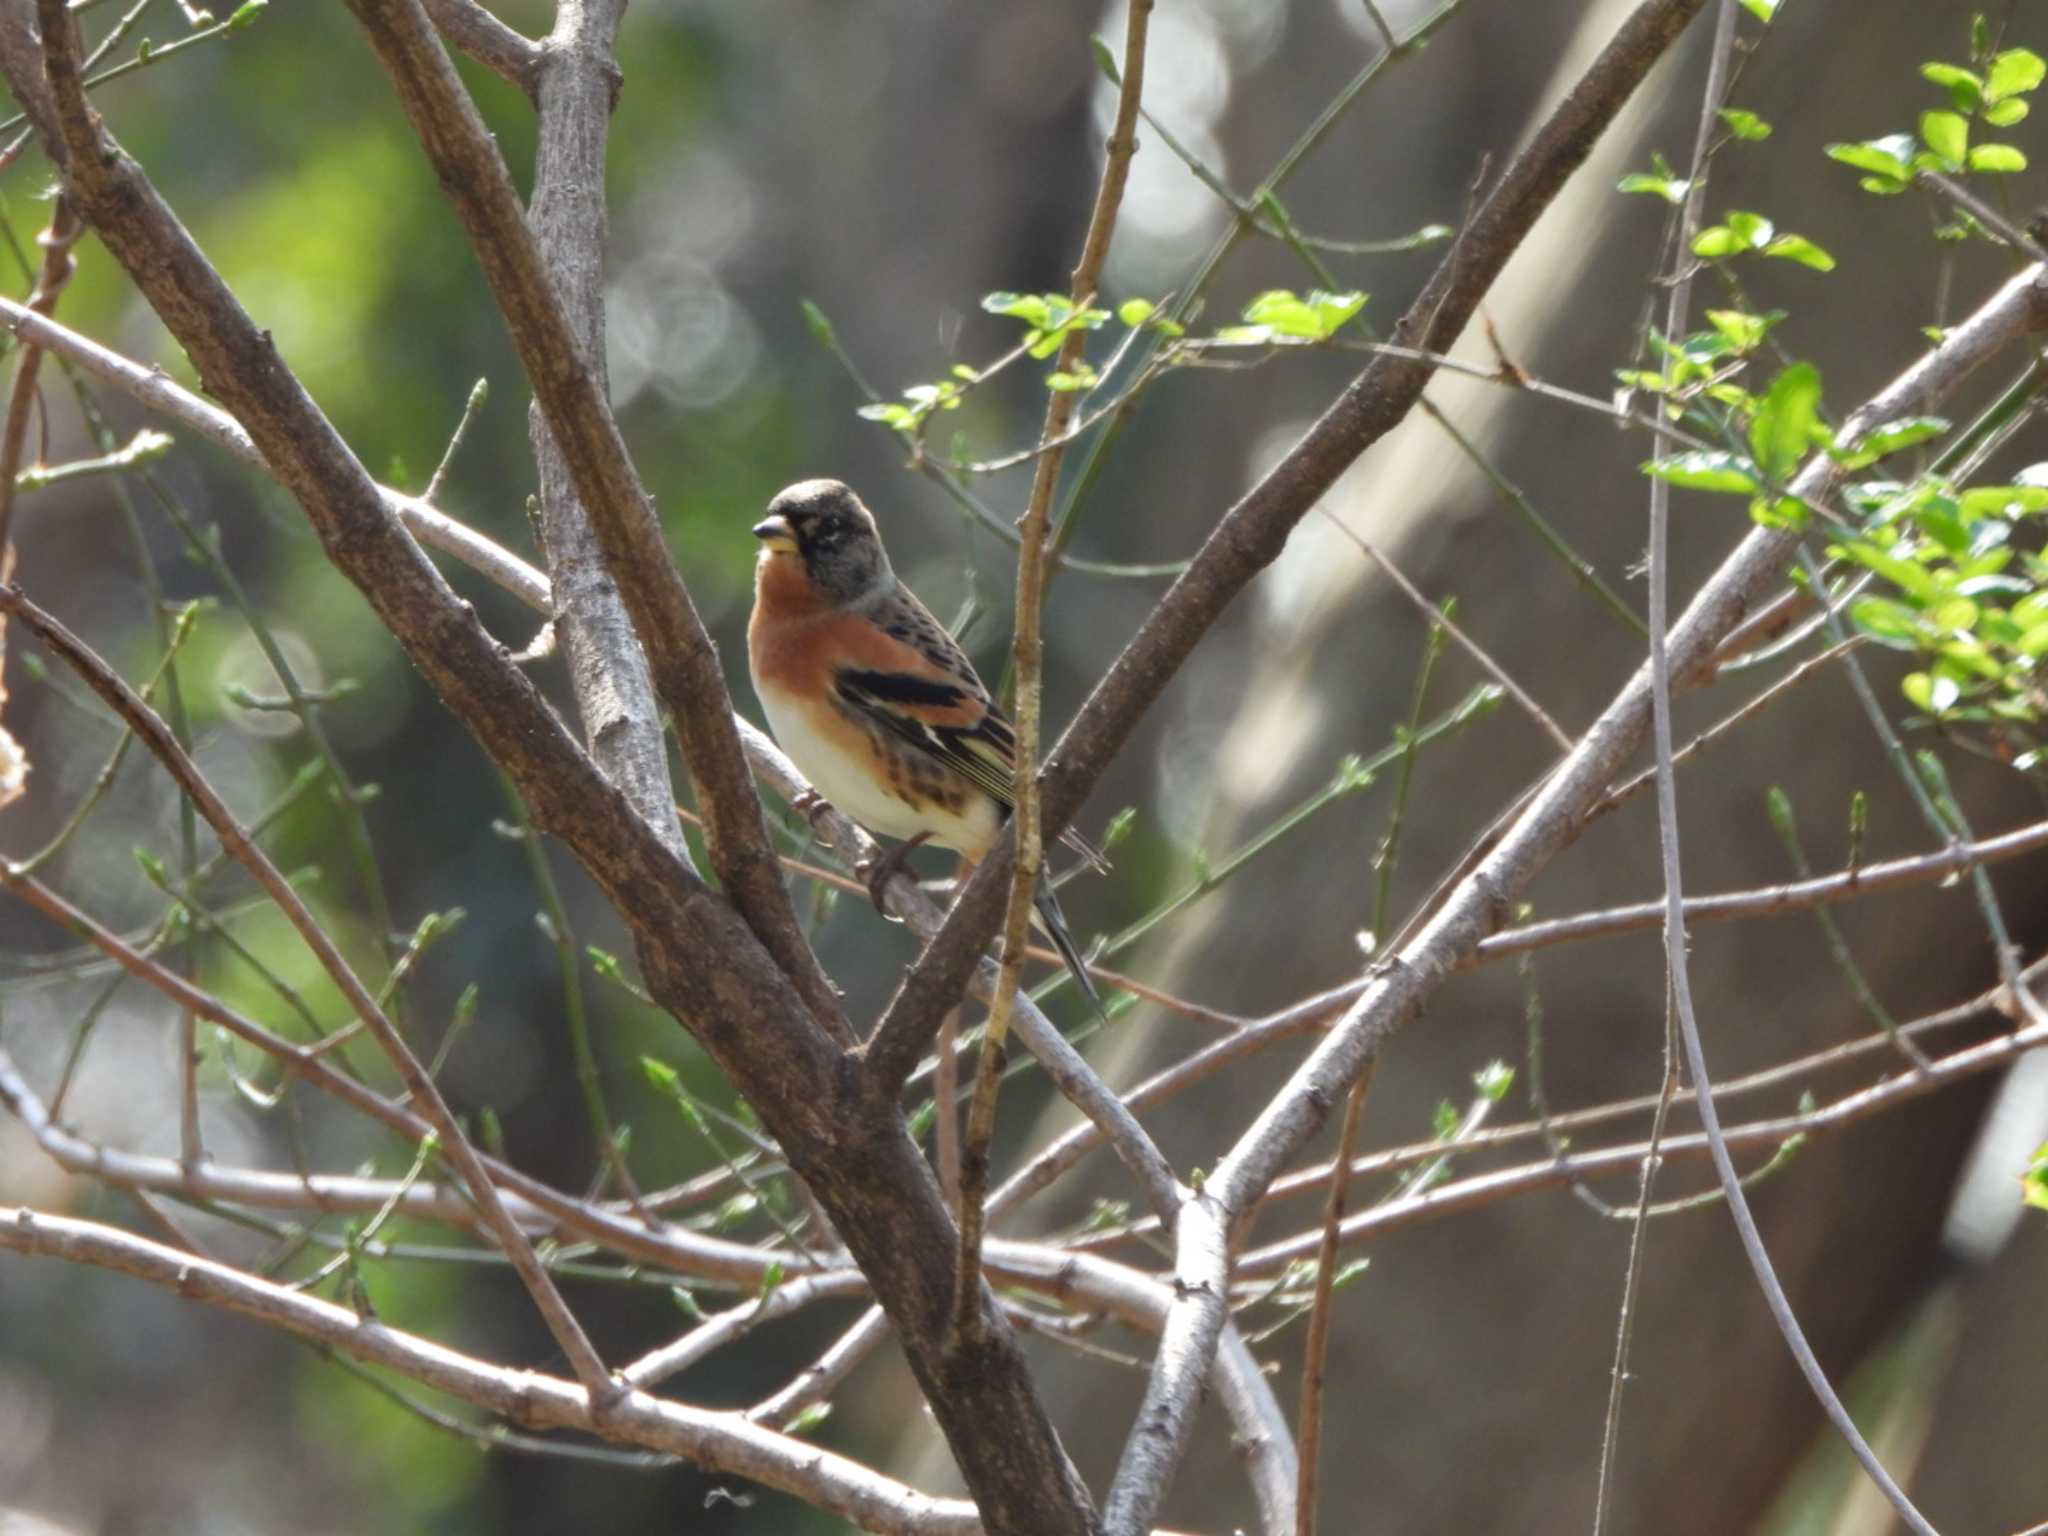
(1055, 924)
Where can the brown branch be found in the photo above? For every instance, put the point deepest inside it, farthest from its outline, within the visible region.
(58, 266)
(154, 389)
(719, 1442)
(669, 1247)
(511, 55)
(684, 663)
(150, 729)
(1315, 1351)
(1027, 656)
(1250, 536)
(1466, 643)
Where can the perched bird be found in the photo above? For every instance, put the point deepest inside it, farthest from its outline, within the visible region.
(871, 697)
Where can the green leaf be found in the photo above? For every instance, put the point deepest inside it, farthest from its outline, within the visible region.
(1671, 188)
(247, 12)
(1706, 470)
(1336, 310)
(1782, 429)
(2003, 114)
(1280, 312)
(1940, 524)
(1743, 332)
(1784, 512)
(1135, 312)
(662, 1076)
(1105, 60)
(1717, 241)
(1031, 308)
(1797, 248)
(1762, 10)
(1753, 229)
(2013, 73)
(1982, 501)
(2034, 1182)
(1802, 250)
(1911, 579)
(818, 323)
(1933, 693)
(1889, 157)
(1887, 620)
(1958, 615)
(1284, 313)
(1947, 134)
(1963, 87)
(1745, 125)
(1997, 159)
(1888, 438)
(1493, 1081)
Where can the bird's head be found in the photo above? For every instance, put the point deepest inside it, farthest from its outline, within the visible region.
(822, 525)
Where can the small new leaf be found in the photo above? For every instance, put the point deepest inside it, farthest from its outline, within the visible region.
(2014, 73)
(1947, 136)
(1745, 125)
(1783, 428)
(1704, 469)
(1802, 250)
(1997, 159)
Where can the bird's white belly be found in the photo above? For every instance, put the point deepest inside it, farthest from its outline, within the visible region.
(856, 793)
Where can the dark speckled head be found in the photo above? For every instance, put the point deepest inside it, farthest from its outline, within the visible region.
(823, 523)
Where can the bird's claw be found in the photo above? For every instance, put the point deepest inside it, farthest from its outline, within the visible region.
(888, 867)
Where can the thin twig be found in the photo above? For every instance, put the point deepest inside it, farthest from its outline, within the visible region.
(1680, 234)
(1466, 643)
(156, 736)
(1026, 652)
(1767, 901)
(724, 1442)
(1676, 966)
(1315, 1350)
(64, 229)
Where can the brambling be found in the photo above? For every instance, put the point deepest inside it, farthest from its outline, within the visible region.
(873, 700)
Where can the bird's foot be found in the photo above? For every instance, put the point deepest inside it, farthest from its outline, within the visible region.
(888, 867)
(810, 805)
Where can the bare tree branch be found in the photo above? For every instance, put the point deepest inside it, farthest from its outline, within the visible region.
(1769, 901)
(1027, 655)
(720, 1442)
(510, 55)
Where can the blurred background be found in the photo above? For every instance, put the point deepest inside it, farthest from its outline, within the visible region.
(891, 164)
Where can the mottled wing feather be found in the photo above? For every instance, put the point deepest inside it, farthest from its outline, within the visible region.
(945, 719)
(946, 711)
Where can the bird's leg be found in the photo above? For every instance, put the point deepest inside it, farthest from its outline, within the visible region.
(810, 805)
(887, 867)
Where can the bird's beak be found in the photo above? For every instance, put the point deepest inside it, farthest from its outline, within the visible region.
(776, 533)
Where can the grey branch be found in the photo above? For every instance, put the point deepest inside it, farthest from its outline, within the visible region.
(722, 1442)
